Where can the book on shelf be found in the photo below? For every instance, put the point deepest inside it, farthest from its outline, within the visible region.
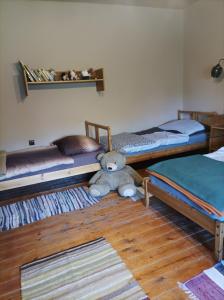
(46, 75)
(50, 75)
(27, 71)
(33, 75)
(37, 75)
(42, 74)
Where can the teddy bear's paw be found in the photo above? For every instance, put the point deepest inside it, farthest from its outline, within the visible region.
(94, 192)
(128, 193)
(127, 190)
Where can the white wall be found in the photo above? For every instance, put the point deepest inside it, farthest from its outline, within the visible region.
(140, 49)
(203, 47)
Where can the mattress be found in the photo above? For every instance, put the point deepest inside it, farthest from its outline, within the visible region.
(29, 161)
(180, 196)
(79, 160)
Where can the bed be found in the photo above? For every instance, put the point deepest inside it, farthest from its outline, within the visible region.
(196, 142)
(64, 168)
(193, 186)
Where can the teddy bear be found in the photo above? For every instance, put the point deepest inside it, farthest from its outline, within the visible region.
(114, 175)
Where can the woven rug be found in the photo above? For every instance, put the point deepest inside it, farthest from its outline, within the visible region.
(208, 285)
(90, 271)
(43, 206)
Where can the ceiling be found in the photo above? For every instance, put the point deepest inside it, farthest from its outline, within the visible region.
(176, 4)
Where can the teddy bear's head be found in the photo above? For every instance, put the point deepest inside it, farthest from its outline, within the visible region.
(111, 161)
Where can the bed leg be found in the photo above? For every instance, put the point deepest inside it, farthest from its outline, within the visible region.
(147, 199)
(219, 235)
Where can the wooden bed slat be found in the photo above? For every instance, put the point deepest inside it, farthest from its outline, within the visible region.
(167, 152)
(44, 177)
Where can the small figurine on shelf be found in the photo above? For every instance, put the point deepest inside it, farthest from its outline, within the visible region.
(52, 74)
(78, 74)
(92, 73)
(72, 75)
(64, 76)
(85, 75)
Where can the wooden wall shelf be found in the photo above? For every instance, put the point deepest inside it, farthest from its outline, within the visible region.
(99, 80)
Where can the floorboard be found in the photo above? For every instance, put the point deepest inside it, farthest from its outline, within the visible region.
(159, 246)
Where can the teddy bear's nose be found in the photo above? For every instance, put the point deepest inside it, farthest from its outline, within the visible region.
(111, 167)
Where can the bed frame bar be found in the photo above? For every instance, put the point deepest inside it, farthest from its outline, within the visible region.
(214, 227)
(97, 128)
(195, 115)
(48, 176)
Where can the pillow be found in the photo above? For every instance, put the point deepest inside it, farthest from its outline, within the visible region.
(217, 155)
(184, 126)
(76, 144)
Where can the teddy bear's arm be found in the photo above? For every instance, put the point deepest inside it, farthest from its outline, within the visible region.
(95, 177)
(137, 178)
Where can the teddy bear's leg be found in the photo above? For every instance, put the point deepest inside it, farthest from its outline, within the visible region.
(97, 190)
(127, 190)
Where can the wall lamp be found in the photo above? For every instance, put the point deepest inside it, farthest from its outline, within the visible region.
(217, 70)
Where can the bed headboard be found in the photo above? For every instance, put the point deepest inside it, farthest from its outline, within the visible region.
(195, 115)
(96, 128)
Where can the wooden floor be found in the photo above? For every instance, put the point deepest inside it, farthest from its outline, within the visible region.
(158, 245)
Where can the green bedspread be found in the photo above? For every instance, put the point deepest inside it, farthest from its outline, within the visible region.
(200, 175)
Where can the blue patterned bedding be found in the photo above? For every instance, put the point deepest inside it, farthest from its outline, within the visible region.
(194, 139)
(129, 142)
(139, 143)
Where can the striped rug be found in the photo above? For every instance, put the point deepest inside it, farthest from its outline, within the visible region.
(208, 285)
(90, 271)
(43, 206)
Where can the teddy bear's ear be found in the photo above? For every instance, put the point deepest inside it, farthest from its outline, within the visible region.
(100, 155)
